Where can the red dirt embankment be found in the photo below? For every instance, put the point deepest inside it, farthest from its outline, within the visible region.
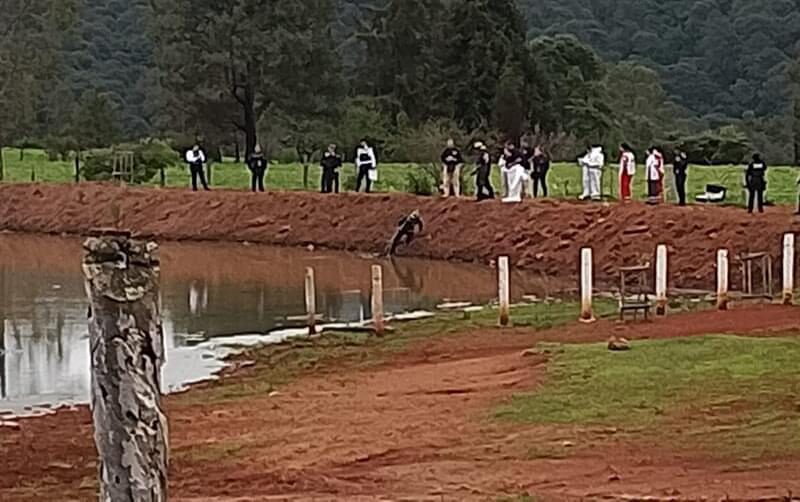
(542, 236)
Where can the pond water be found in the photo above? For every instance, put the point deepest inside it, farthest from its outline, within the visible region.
(215, 297)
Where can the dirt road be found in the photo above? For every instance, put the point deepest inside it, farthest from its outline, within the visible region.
(414, 427)
(543, 236)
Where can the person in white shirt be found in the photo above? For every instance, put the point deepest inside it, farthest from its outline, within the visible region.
(366, 166)
(592, 165)
(655, 175)
(196, 158)
(627, 170)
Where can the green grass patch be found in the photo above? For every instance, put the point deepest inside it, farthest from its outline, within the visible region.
(564, 180)
(734, 395)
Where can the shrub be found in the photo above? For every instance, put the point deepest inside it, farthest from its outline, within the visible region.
(419, 181)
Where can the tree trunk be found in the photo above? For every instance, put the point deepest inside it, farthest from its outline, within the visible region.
(796, 128)
(77, 166)
(237, 152)
(250, 132)
(127, 352)
(2, 163)
(21, 153)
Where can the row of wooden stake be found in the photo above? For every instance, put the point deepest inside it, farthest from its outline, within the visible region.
(587, 291)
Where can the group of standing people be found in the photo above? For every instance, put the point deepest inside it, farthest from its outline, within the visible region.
(523, 171)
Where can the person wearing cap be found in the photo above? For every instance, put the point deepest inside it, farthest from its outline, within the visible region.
(258, 166)
(756, 180)
(483, 172)
(366, 166)
(196, 158)
(330, 163)
(452, 162)
(680, 167)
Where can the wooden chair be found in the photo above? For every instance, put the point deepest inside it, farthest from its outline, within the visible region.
(637, 298)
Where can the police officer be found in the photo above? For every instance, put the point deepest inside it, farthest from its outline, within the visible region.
(680, 166)
(452, 162)
(541, 166)
(330, 163)
(483, 172)
(257, 164)
(756, 178)
(196, 158)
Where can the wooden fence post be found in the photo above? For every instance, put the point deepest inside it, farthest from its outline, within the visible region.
(788, 268)
(377, 299)
(587, 315)
(722, 279)
(311, 301)
(661, 280)
(503, 290)
(127, 353)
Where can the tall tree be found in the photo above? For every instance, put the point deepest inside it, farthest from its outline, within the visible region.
(400, 40)
(482, 38)
(30, 36)
(228, 61)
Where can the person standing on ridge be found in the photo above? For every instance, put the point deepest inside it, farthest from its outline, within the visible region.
(483, 172)
(627, 170)
(330, 164)
(680, 167)
(452, 163)
(196, 158)
(756, 179)
(258, 166)
(592, 165)
(540, 165)
(366, 166)
(655, 175)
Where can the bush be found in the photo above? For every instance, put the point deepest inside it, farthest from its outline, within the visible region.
(149, 158)
(419, 181)
(348, 183)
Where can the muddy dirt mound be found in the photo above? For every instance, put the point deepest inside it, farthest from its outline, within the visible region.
(543, 236)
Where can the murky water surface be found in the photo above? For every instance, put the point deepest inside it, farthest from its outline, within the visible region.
(214, 296)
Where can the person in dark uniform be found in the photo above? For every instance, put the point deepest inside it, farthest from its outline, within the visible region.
(483, 172)
(407, 229)
(196, 158)
(258, 165)
(540, 167)
(330, 163)
(756, 179)
(680, 166)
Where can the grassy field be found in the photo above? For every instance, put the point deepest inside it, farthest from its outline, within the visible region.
(733, 395)
(564, 180)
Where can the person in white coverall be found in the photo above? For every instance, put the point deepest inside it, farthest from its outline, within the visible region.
(514, 176)
(592, 165)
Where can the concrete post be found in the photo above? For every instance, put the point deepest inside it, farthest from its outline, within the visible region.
(503, 290)
(587, 273)
(722, 279)
(377, 299)
(788, 269)
(311, 301)
(661, 280)
(127, 352)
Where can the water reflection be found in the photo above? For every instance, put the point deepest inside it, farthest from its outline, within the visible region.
(208, 290)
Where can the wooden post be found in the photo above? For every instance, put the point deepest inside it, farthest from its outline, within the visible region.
(127, 353)
(788, 269)
(661, 280)
(77, 166)
(163, 176)
(722, 279)
(377, 299)
(311, 302)
(587, 315)
(503, 293)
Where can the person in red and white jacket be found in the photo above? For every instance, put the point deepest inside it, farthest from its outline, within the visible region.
(655, 175)
(627, 170)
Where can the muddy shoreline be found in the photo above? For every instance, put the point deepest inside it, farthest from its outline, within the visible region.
(544, 237)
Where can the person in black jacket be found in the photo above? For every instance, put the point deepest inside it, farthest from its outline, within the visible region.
(680, 166)
(330, 163)
(407, 229)
(452, 163)
(541, 166)
(258, 165)
(483, 172)
(756, 179)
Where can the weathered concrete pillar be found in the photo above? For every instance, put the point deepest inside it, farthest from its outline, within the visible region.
(127, 352)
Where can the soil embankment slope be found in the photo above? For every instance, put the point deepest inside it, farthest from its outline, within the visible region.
(542, 236)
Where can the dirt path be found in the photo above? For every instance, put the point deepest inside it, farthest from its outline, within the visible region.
(542, 236)
(413, 428)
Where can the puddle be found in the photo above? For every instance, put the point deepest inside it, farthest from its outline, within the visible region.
(216, 297)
